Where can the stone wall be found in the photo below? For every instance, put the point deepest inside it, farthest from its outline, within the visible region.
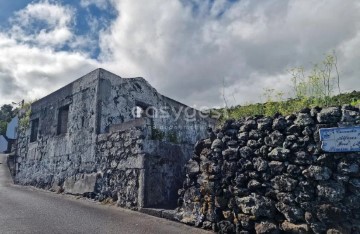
(165, 172)
(120, 159)
(139, 171)
(129, 168)
(269, 175)
(88, 141)
(53, 157)
(172, 120)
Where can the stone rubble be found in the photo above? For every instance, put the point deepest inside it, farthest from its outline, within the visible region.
(269, 175)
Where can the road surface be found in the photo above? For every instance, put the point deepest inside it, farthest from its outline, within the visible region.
(29, 210)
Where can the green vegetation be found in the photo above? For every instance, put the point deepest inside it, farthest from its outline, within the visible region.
(172, 137)
(7, 112)
(290, 106)
(157, 134)
(24, 118)
(316, 88)
(355, 102)
(3, 127)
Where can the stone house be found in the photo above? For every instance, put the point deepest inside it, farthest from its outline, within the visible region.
(109, 137)
(3, 144)
(7, 140)
(11, 130)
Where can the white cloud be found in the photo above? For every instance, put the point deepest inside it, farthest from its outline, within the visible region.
(102, 4)
(184, 52)
(43, 23)
(219, 7)
(30, 64)
(187, 54)
(28, 72)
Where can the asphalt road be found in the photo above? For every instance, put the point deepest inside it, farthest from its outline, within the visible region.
(29, 210)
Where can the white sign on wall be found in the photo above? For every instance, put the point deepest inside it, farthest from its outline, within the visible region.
(340, 139)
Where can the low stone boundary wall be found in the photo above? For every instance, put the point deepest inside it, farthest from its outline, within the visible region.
(269, 175)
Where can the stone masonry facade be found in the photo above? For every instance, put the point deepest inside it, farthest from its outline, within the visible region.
(103, 136)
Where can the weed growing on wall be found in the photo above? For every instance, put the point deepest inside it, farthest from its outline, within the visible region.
(310, 89)
(172, 137)
(24, 116)
(157, 134)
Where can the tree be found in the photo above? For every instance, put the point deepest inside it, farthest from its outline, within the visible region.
(7, 112)
(3, 127)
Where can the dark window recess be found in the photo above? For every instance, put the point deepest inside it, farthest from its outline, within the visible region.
(63, 120)
(34, 130)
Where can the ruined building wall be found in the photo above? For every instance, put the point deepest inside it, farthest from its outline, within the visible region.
(170, 119)
(120, 160)
(102, 150)
(53, 157)
(138, 171)
(164, 175)
(270, 175)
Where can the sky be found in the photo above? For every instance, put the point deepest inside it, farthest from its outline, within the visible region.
(199, 52)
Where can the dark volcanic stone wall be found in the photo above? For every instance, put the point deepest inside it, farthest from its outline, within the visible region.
(120, 159)
(269, 175)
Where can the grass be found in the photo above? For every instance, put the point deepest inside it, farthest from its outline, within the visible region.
(289, 106)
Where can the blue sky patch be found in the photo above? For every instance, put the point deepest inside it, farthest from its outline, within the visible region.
(88, 22)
